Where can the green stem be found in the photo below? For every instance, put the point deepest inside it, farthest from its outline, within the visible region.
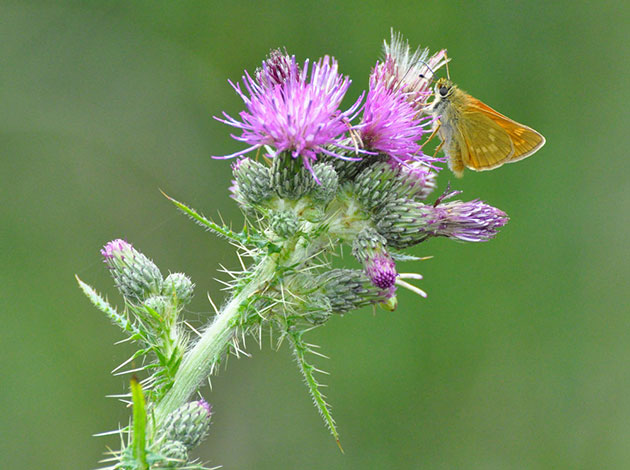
(198, 363)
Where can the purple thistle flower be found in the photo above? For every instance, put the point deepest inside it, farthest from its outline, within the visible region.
(391, 123)
(381, 270)
(292, 113)
(471, 221)
(406, 222)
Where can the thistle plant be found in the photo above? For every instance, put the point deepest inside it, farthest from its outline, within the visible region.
(312, 177)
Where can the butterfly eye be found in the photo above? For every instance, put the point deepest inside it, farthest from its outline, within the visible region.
(443, 91)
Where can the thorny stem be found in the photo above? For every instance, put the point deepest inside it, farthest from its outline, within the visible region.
(198, 363)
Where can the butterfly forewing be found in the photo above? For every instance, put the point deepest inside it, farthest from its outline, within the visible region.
(487, 144)
(524, 140)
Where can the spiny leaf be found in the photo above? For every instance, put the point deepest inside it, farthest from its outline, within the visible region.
(99, 302)
(300, 349)
(207, 223)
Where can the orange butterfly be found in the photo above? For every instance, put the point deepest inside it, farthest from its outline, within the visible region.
(475, 135)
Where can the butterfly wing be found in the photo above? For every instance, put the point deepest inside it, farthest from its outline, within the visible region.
(493, 139)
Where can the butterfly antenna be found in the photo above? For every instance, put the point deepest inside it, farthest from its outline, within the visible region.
(448, 74)
(427, 66)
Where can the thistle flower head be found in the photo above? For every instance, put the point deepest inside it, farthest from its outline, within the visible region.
(291, 112)
(412, 72)
(405, 222)
(391, 124)
(381, 270)
(135, 275)
(470, 221)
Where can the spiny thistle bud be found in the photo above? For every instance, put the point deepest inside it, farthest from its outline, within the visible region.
(377, 184)
(180, 286)
(317, 309)
(383, 182)
(136, 276)
(253, 181)
(404, 222)
(290, 178)
(158, 304)
(349, 289)
(189, 424)
(369, 247)
(284, 223)
(325, 191)
(175, 454)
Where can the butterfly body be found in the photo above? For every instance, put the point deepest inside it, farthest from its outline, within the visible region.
(476, 136)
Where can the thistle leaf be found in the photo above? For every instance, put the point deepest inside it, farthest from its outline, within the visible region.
(207, 223)
(99, 302)
(139, 425)
(300, 349)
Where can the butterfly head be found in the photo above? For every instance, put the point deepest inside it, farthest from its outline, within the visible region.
(443, 88)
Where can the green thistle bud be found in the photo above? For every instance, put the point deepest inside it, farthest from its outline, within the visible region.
(377, 184)
(325, 191)
(284, 223)
(189, 424)
(290, 178)
(136, 276)
(253, 181)
(180, 286)
(349, 289)
(403, 222)
(175, 454)
(317, 309)
(383, 182)
(158, 304)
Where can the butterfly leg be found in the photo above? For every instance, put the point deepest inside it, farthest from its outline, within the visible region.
(437, 128)
(439, 147)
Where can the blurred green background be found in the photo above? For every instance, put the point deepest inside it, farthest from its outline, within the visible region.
(519, 358)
